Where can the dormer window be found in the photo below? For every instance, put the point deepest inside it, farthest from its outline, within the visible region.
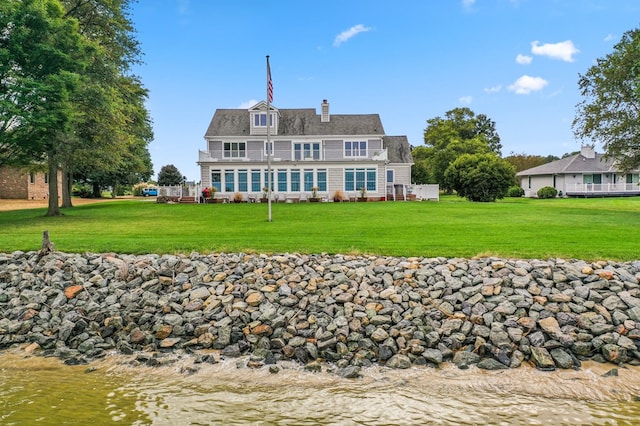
(260, 120)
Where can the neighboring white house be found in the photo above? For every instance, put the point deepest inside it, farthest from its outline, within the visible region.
(587, 174)
(345, 152)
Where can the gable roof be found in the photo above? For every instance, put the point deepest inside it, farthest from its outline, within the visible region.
(577, 163)
(296, 122)
(398, 149)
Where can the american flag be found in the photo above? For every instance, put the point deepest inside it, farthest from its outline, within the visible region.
(269, 82)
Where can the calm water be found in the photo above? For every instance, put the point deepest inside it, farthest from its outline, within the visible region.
(43, 391)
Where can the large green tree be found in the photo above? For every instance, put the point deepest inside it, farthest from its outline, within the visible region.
(527, 161)
(463, 124)
(43, 56)
(67, 95)
(169, 175)
(480, 177)
(421, 171)
(446, 138)
(610, 111)
(112, 128)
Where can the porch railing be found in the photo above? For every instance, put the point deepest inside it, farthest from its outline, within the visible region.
(603, 188)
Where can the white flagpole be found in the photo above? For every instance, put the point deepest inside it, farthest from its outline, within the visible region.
(269, 178)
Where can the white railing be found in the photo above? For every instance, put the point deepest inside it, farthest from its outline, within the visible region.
(603, 188)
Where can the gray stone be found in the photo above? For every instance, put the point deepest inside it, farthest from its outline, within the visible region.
(433, 356)
(542, 358)
(450, 326)
(629, 300)
(600, 328)
(173, 319)
(634, 313)
(463, 359)
(491, 364)
(562, 358)
(350, 372)
(380, 320)
(500, 338)
(200, 293)
(614, 302)
(612, 353)
(536, 338)
(385, 352)
(379, 335)
(399, 361)
(626, 343)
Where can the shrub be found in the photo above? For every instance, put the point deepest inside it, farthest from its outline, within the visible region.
(547, 192)
(480, 177)
(339, 196)
(138, 187)
(82, 190)
(515, 191)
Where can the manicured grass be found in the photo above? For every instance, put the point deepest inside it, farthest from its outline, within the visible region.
(590, 229)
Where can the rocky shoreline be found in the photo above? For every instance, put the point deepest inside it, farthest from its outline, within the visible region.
(339, 310)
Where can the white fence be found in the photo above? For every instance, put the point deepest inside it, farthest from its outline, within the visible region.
(603, 188)
(179, 191)
(426, 192)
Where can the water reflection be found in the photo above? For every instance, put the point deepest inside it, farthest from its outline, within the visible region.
(43, 391)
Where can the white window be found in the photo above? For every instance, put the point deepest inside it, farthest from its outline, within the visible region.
(260, 120)
(235, 149)
(356, 179)
(595, 178)
(306, 151)
(355, 149)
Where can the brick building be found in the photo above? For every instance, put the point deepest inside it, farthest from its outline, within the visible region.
(23, 184)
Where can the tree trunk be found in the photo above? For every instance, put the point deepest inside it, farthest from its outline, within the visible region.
(96, 191)
(66, 189)
(54, 208)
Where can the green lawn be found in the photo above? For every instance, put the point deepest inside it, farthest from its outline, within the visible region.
(590, 229)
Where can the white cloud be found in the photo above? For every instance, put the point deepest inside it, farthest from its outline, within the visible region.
(494, 89)
(183, 7)
(527, 84)
(563, 50)
(609, 37)
(465, 100)
(467, 4)
(351, 32)
(248, 104)
(523, 59)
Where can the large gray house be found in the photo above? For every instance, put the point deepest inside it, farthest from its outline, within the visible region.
(311, 152)
(587, 174)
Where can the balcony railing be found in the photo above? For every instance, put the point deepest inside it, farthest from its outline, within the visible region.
(603, 188)
(326, 154)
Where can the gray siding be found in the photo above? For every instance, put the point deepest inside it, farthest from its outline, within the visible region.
(282, 150)
(375, 145)
(402, 173)
(333, 149)
(255, 150)
(335, 179)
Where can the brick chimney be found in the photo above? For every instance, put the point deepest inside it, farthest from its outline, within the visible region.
(324, 118)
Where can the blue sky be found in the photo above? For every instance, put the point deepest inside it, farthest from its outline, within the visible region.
(517, 61)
